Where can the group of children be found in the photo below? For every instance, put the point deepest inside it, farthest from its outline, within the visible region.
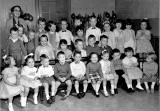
(104, 60)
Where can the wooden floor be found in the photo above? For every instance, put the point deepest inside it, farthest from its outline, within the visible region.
(138, 101)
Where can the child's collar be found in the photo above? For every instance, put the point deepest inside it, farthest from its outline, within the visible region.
(14, 40)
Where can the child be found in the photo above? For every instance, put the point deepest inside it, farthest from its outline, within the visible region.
(79, 34)
(31, 46)
(63, 73)
(94, 72)
(46, 73)
(9, 86)
(52, 34)
(109, 34)
(44, 48)
(77, 23)
(120, 70)
(93, 30)
(130, 63)
(104, 44)
(21, 34)
(78, 70)
(129, 36)
(15, 47)
(108, 72)
(65, 34)
(28, 80)
(118, 32)
(92, 47)
(150, 69)
(79, 47)
(63, 47)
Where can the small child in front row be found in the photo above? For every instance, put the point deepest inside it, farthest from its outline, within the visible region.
(46, 73)
(108, 72)
(9, 86)
(150, 69)
(120, 70)
(63, 73)
(28, 80)
(130, 63)
(94, 72)
(78, 70)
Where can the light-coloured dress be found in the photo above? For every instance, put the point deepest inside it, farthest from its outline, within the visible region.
(143, 42)
(133, 71)
(6, 90)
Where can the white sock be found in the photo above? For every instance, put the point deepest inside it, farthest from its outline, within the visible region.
(47, 96)
(97, 88)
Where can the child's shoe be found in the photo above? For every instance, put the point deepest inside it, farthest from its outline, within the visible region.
(23, 101)
(152, 90)
(35, 99)
(116, 91)
(148, 91)
(53, 98)
(10, 107)
(139, 87)
(97, 95)
(106, 94)
(82, 94)
(130, 90)
(112, 92)
(65, 97)
(79, 96)
(49, 101)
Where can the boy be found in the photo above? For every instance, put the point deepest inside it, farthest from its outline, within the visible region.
(62, 73)
(92, 47)
(93, 29)
(79, 47)
(45, 73)
(78, 70)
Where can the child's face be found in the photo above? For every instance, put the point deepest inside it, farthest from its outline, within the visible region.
(14, 34)
(128, 26)
(143, 25)
(118, 25)
(16, 12)
(64, 25)
(149, 59)
(94, 58)
(79, 45)
(116, 56)
(129, 54)
(77, 22)
(53, 28)
(107, 27)
(31, 35)
(93, 22)
(45, 62)
(44, 41)
(77, 57)
(91, 41)
(13, 62)
(105, 56)
(104, 42)
(80, 33)
(41, 25)
(61, 58)
(20, 30)
(63, 46)
(30, 63)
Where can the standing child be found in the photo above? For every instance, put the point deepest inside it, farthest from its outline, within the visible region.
(130, 63)
(108, 72)
(78, 70)
(94, 72)
(9, 86)
(44, 48)
(79, 47)
(22, 35)
(63, 73)
(79, 33)
(46, 73)
(93, 30)
(150, 69)
(15, 47)
(28, 80)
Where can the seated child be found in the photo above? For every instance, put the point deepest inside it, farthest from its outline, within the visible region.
(120, 70)
(79, 47)
(63, 73)
(78, 70)
(150, 69)
(94, 72)
(92, 47)
(108, 72)
(46, 73)
(130, 63)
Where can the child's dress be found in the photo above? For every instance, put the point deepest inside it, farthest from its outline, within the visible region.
(7, 91)
(150, 70)
(107, 69)
(133, 71)
(143, 42)
(53, 39)
(28, 76)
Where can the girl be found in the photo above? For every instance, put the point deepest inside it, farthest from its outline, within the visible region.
(150, 68)
(63, 47)
(94, 72)
(79, 34)
(118, 33)
(9, 86)
(109, 34)
(130, 63)
(28, 79)
(21, 34)
(108, 72)
(143, 38)
(44, 48)
(129, 36)
(52, 34)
